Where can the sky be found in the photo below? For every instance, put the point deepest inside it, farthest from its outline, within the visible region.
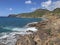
(23, 6)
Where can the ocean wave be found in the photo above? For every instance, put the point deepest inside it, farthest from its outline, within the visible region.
(10, 37)
(20, 29)
(16, 30)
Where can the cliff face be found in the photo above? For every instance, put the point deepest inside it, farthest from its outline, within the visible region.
(48, 33)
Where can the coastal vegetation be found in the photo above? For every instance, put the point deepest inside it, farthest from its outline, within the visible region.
(37, 13)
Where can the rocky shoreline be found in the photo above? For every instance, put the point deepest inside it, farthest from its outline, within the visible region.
(48, 33)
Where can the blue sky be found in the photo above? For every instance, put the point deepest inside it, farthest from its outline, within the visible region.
(21, 6)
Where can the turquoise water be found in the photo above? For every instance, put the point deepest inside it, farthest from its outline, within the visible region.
(6, 24)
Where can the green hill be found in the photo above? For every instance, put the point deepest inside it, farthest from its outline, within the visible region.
(36, 14)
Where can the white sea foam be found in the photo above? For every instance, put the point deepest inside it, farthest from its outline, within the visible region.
(20, 29)
(32, 29)
(4, 36)
(10, 38)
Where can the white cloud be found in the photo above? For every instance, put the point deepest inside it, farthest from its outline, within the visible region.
(10, 9)
(28, 2)
(46, 4)
(56, 4)
(50, 5)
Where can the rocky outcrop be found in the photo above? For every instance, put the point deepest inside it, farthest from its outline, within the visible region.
(2, 44)
(48, 33)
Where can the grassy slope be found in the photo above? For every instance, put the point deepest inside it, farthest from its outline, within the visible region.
(37, 13)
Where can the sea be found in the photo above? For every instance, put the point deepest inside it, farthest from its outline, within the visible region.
(10, 27)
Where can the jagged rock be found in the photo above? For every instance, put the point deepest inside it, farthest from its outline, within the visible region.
(25, 40)
(29, 31)
(2, 44)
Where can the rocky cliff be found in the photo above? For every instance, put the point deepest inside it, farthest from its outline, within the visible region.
(48, 33)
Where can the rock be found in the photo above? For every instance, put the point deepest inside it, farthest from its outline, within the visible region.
(48, 33)
(2, 44)
(25, 40)
(29, 31)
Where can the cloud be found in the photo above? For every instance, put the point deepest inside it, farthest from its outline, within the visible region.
(56, 4)
(10, 9)
(50, 5)
(28, 2)
(46, 4)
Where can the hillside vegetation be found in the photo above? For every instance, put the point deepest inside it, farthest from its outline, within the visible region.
(37, 13)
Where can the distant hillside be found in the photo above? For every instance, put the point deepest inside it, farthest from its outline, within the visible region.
(36, 14)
